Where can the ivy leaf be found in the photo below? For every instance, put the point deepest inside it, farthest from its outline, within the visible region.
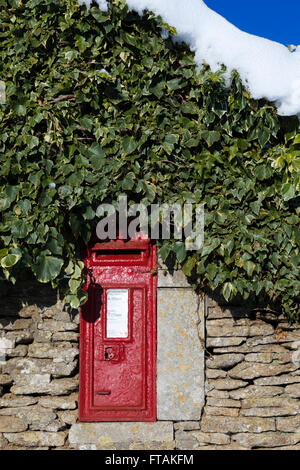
(129, 145)
(288, 191)
(179, 248)
(10, 260)
(228, 290)
(47, 268)
(189, 265)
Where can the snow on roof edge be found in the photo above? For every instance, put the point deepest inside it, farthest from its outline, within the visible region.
(267, 69)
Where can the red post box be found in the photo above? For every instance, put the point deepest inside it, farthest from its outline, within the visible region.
(118, 333)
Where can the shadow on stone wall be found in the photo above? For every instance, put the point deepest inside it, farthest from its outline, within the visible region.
(25, 293)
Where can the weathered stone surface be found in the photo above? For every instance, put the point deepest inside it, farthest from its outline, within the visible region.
(223, 342)
(12, 424)
(279, 380)
(269, 412)
(217, 393)
(235, 425)
(256, 392)
(10, 401)
(186, 426)
(68, 417)
(293, 390)
(60, 403)
(267, 357)
(275, 338)
(219, 312)
(56, 387)
(215, 374)
(219, 411)
(20, 367)
(6, 347)
(266, 439)
(36, 417)
(289, 424)
(3, 442)
(244, 349)
(65, 336)
(251, 371)
(62, 351)
(227, 328)
(20, 336)
(19, 324)
(226, 331)
(29, 311)
(260, 328)
(35, 380)
(265, 402)
(122, 435)
(224, 361)
(195, 440)
(5, 379)
(51, 312)
(229, 323)
(223, 402)
(173, 279)
(56, 325)
(41, 336)
(19, 351)
(227, 384)
(37, 438)
(231, 447)
(180, 356)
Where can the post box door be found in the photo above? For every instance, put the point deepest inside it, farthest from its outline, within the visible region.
(118, 337)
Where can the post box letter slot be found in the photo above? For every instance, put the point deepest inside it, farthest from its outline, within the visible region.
(130, 254)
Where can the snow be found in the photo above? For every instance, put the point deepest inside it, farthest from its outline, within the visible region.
(267, 69)
(101, 3)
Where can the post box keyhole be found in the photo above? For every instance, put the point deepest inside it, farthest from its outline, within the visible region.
(108, 354)
(114, 353)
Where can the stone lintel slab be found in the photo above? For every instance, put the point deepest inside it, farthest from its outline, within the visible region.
(170, 278)
(180, 355)
(122, 436)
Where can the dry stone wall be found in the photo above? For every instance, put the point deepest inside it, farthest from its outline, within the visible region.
(252, 382)
(38, 369)
(252, 390)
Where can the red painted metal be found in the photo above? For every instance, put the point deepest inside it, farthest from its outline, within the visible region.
(118, 375)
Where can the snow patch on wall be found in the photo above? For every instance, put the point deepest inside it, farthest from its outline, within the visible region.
(267, 69)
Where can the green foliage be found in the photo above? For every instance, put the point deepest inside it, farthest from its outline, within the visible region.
(151, 127)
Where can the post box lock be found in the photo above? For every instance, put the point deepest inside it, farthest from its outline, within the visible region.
(114, 353)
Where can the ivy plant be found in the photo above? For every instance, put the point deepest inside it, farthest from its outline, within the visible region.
(100, 104)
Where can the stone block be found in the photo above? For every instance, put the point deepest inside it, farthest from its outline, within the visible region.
(289, 424)
(55, 387)
(293, 390)
(180, 355)
(266, 439)
(36, 438)
(224, 361)
(249, 371)
(56, 325)
(236, 425)
(60, 403)
(118, 436)
(220, 411)
(256, 391)
(12, 424)
(227, 384)
(10, 401)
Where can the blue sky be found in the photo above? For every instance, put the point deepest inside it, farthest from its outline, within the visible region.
(273, 19)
